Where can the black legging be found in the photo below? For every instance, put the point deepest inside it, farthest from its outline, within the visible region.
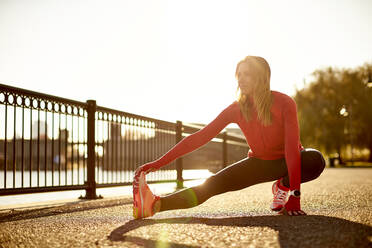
(242, 174)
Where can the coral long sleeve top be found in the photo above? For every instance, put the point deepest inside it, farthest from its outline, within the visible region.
(279, 140)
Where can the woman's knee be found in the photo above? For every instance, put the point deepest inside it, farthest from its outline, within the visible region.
(213, 185)
(206, 190)
(314, 160)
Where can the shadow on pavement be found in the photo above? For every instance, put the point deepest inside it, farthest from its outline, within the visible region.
(309, 231)
(83, 205)
(152, 243)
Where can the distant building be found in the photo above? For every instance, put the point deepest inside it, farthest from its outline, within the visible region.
(37, 153)
(39, 128)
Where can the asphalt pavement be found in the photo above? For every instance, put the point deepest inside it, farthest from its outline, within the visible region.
(338, 204)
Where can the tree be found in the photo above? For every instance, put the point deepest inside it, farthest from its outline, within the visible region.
(363, 108)
(335, 109)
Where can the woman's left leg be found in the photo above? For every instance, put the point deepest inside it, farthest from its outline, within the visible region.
(242, 174)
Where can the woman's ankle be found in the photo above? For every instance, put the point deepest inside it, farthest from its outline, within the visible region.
(282, 186)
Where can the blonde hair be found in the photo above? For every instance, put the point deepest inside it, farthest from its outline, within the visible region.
(262, 98)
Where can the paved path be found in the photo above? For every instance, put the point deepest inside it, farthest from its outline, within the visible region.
(339, 204)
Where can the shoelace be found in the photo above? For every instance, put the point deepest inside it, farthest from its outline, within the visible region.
(281, 195)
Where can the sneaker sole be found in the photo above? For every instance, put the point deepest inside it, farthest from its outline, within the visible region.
(277, 209)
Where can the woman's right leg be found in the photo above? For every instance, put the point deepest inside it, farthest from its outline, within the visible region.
(312, 165)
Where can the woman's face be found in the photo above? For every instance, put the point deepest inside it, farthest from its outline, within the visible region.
(246, 78)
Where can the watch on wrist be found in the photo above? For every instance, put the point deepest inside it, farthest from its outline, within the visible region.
(295, 193)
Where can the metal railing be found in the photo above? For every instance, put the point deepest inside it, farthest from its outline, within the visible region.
(49, 143)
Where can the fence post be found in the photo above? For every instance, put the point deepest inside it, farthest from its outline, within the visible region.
(91, 143)
(179, 161)
(224, 150)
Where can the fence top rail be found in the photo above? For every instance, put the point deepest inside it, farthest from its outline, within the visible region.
(185, 127)
(34, 94)
(130, 115)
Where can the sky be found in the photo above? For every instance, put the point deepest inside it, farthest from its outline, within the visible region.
(174, 60)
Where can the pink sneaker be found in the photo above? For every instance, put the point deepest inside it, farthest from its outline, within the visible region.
(280, 196)
(143, 199)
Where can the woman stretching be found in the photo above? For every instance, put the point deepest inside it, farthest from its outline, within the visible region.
(268, 120)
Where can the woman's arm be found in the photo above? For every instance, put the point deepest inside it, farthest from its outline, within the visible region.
(193, 141)
(292, 152)
(292, 139)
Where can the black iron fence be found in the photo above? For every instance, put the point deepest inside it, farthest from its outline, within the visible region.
(49, 143)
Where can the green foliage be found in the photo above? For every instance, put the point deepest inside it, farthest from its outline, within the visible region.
(335, 109)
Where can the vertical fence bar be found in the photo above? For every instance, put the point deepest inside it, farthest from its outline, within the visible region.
(23, 140)
(126, 150)
(45, 145)
(111, 152)
(114, 147)
(66, 134)
(163, 176)
(85, 142)
(111, 132)
(161, 148)
(164, 146)
(147, 137)
(78, 145)
(31, 157)
(117, 129)
(91, 183)
(14, 139)
(166, 139)
(100, 139)
(103, 149)
(156, 144)
(120, 162)
(52, 157)
(170, 140)
(6, 140)
(131, 144)
(133, 148)
(125, 146)
(97, 145)
(137, 147)
(143, 142)
(123, 159)
(38, 143)
(179, 161)
(72, 145)
(108, 150)
(166, 142)
(139, 143)
(153, 144)
(59, 146)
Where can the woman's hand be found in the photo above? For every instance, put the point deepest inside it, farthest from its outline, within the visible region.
(292, 207)
(146, 168)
